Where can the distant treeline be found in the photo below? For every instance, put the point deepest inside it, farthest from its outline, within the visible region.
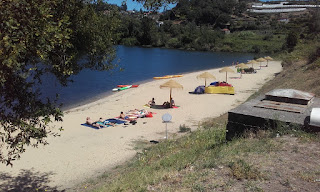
(212, 25)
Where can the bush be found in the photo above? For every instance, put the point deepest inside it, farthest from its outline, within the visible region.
(246, 35)
(292, 40)
(268, 37)
(314, 55)
(131, 41)
(174, 42)
(183, 128)
(242, 170)
(256, 49)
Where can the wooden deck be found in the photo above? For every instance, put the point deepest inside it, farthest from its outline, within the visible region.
(295, 108)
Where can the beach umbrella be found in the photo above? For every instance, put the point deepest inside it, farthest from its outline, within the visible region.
(242, 66)
(261, 60)
(226, 69)
(268, 58)
(252, 62)
(171, 84)
(206, 76)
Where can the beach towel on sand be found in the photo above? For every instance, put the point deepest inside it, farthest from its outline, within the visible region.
(91, 126)
(117, 121)
(163, 107)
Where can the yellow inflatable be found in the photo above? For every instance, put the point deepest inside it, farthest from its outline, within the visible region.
(219, 89)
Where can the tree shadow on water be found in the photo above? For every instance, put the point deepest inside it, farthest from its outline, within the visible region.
(27, 180)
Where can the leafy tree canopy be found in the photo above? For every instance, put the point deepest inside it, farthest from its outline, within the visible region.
(39, 37)
(154, 4)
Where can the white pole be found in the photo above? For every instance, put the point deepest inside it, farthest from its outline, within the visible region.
(166, 130)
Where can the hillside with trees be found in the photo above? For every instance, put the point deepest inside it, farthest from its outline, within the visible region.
(213, 26)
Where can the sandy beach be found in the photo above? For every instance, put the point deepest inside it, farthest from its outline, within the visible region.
(81, 152)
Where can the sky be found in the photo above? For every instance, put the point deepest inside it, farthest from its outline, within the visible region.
(130, 4)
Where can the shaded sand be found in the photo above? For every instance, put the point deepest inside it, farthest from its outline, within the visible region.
(81, 152)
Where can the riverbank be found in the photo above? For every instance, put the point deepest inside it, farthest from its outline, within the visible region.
(82, 153)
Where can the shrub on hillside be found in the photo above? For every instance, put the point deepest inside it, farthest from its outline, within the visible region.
(268, 37)
(183, 128)
(246, 35)
(131, 41)
(174, 42)
(314, 56)
(242, 170)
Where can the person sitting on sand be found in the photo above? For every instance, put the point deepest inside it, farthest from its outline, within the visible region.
(172, 102)
(122, 116)
(166, 104)
(151, 103)
(89, 121)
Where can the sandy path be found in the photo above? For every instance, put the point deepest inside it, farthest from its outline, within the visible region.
(81, 152)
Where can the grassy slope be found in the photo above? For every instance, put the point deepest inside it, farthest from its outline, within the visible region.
(297, 72)
(203, 161)
(251, 42)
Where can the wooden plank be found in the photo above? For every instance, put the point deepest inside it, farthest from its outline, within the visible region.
(282, 106)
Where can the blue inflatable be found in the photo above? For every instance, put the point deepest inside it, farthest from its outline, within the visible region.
(216, 83)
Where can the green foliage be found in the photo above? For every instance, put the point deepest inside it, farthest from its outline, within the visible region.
(215, 13)
(291, 40)
(155, 4)
(196, 25)
(40, 37)
(314, 56)
(147, 31)
(183, 128)
(248, 41)
(304, 50)
(174, 42)
(130, 41)
(245, 35)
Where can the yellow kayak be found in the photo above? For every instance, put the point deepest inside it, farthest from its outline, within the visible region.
(167, 77)
(164, 77)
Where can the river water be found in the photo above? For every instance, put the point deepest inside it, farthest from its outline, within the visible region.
(139, 65)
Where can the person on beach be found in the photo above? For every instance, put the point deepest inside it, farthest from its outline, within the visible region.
(151, 103)
(89, 121)
(122, 116)
(104, 123)
(166, 104)
(131, 119)
(172, 102)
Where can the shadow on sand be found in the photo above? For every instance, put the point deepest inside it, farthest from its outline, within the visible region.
(26, 181)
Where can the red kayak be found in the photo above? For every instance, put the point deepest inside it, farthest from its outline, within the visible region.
(127, 85)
